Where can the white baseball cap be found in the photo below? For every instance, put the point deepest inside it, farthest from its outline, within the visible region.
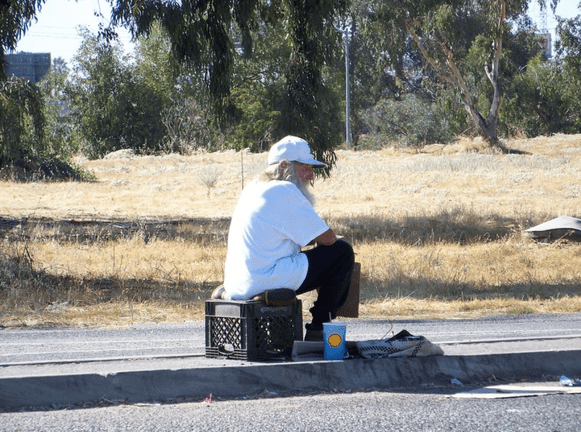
(292, 148)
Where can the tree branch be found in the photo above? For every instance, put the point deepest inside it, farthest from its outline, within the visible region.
(448, 78)
(454, 78)
(492, 74)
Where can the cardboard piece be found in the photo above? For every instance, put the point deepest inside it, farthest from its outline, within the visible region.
(351, 307)
(515, 390)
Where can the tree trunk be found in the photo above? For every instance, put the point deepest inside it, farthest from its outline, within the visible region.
(487, 128)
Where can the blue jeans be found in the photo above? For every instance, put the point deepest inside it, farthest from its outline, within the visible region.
(330, 269)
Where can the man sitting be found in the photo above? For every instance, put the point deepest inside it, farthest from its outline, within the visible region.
(273, 220)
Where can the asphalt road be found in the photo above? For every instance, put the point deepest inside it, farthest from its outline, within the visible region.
(427, 410)
(188, 338)
(412, 409)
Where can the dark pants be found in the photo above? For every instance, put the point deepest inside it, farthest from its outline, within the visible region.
(330, 269)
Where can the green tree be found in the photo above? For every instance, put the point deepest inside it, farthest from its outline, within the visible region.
(200, 36)
(535, 105)
(113, 106)
(569, 59)
(25, 151)
(383, 66)
(189, 127)
(409, 121)
(542, 97)
(313, 43)
(258, 89)
(185, 110)
(59, 127)
(462, 41)
(154, 66)
(22, 123)
(260, 93)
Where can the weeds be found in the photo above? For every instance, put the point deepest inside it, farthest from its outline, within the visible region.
(434, 233)
(208, 176)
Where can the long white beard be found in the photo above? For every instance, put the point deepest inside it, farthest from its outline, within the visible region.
(305, 187)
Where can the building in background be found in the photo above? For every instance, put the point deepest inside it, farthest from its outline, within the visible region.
(30, 66)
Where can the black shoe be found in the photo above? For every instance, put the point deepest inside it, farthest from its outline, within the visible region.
(314, 332)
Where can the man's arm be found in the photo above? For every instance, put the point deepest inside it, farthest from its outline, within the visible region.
(325, 239)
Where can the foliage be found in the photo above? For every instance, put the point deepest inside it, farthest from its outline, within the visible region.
(462, 41)
(260, 95)
(59, 126)
(188, 128)
(22, 122)
(258, 117)
(200, 36)
(259, 90)
(25, 151)
(184, 112)
(26, 145)
(543, 97)
(535, 106)
(154, 66)
(241, 74)
(198, 32)
(569, 57)
(520, 47)
(308, 101)
(409, 122)
(113, 105)
(413, 74)
(369, 73)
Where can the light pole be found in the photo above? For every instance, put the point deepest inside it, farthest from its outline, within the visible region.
(345, 30)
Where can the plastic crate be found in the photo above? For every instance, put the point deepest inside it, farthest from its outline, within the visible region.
(251, 330)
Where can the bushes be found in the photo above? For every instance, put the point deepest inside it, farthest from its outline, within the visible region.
(410, 122)
(113, 106)
(22, 122)
(543, 100)
(25, 153)
(188, 128)
(112, 101)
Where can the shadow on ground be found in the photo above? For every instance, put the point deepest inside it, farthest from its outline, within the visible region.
(455, 226)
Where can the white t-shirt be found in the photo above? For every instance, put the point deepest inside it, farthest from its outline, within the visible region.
(270, 224)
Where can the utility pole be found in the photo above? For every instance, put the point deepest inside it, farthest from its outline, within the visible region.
(544, 31)
(346, 31)
(347, 91)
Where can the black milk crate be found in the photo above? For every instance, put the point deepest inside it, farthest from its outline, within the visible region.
(251, 330)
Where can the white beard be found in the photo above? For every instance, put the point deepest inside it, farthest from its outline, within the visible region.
(305, 187)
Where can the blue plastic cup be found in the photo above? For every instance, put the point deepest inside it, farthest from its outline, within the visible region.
(334, 340)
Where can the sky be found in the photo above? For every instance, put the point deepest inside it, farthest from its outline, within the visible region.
(56, 31)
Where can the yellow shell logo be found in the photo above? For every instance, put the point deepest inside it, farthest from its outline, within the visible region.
(335, 340)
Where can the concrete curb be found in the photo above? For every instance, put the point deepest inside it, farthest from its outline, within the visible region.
(280, 378)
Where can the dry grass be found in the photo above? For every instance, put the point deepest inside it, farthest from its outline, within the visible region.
(438, 233)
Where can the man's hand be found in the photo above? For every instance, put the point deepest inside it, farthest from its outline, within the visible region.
(326, 239)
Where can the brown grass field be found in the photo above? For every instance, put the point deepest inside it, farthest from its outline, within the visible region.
(438, 233)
